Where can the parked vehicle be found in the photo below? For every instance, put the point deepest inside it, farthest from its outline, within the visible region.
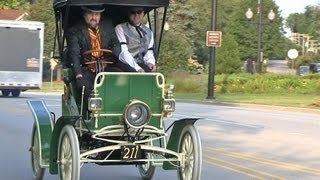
(21, 49)
(125, 125)
(315, 67)
(303, 70)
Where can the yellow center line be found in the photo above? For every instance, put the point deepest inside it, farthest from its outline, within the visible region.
(245, 168)
(276, 163)
(232, 169)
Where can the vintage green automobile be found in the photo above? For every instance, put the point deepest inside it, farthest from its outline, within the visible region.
(126, 124)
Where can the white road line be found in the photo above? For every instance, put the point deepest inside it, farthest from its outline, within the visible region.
(215, 120)
(296, 133)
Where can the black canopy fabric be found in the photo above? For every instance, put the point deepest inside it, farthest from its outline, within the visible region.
(145, 3)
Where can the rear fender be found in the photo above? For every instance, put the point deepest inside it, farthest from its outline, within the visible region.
(174, 138)
(61, 122)
(44, 125)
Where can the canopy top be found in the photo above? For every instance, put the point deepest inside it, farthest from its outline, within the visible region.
(144, 3)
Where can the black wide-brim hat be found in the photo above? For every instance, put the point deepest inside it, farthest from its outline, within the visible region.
(93, 8)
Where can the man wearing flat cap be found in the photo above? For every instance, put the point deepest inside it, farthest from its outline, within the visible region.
(91, 34)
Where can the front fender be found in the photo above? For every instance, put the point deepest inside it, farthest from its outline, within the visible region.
(44, 126)
(61, 122)
(173, 142)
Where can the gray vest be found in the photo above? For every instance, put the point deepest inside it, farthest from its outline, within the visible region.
(137, 43)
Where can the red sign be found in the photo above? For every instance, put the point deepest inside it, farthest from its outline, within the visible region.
(214, 38)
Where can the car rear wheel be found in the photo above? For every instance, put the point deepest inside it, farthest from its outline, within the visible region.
(147, 170)
(190, 146)
(68, 154)
(38, 172)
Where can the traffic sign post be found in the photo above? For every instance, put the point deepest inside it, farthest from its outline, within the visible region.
(214, 38)
(293, 54)
(53, 65)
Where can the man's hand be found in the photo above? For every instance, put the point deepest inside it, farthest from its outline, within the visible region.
(152, 67)
(80, 81)
(140, 70)
(78, 76)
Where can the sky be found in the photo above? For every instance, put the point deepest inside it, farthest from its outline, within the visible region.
(294, 6)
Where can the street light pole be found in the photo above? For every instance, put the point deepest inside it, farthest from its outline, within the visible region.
(259, 58)
(271, 16)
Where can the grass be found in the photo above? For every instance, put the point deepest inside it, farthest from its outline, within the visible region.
(276, 99)
(290, 100)
(50, 87)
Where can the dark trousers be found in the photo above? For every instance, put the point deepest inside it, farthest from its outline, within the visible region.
(126, 68)
(87, 80)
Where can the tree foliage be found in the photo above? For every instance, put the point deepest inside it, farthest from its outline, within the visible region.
(190, 19)
(306, 23)
(14, 4)
(228, 60)
(174, 53)
(41, 10)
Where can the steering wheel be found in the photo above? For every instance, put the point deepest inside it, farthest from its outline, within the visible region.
(99, 64)
(107, 54)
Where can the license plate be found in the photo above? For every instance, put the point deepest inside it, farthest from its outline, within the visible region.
(130, 152)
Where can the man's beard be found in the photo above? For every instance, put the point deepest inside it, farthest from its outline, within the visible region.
(93, 23)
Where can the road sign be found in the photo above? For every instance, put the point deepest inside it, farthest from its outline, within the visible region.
(53, 64)
(293, 53)
(214, 38)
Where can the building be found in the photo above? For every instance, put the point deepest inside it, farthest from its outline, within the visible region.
(13, 14)
(306, 42)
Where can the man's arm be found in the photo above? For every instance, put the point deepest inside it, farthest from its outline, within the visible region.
(125, 56)
(74, 50)
(148, 58)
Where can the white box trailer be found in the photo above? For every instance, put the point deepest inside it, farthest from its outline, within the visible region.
(21, 56)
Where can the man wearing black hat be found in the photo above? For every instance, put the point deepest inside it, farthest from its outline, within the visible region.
(90, 34)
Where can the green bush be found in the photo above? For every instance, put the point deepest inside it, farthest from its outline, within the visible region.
(247, 83)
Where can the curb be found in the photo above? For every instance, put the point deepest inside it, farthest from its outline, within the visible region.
(259, 106)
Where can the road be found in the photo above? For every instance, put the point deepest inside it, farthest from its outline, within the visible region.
(279, 66)
(238, 142)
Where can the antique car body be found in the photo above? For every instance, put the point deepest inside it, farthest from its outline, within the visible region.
(125, 124)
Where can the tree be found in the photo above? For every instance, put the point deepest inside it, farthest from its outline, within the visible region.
(174, 53)
(296, 23)
(273, 40)
(14, 4)
(306, 59)
(306, 23)
(42, 11)
(227, 59)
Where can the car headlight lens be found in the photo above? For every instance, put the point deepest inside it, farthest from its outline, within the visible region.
(169, 105)
(95, 104)
(137, 114)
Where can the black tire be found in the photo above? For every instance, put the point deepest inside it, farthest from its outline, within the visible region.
(147, 170)
(5, 92)
(190, 144)
(15, 92)
(68, 154)
(38, 172)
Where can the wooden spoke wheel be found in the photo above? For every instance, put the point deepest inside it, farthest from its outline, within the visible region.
(68, 154)
(190, 146)
(147, 170)
(37, 170)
